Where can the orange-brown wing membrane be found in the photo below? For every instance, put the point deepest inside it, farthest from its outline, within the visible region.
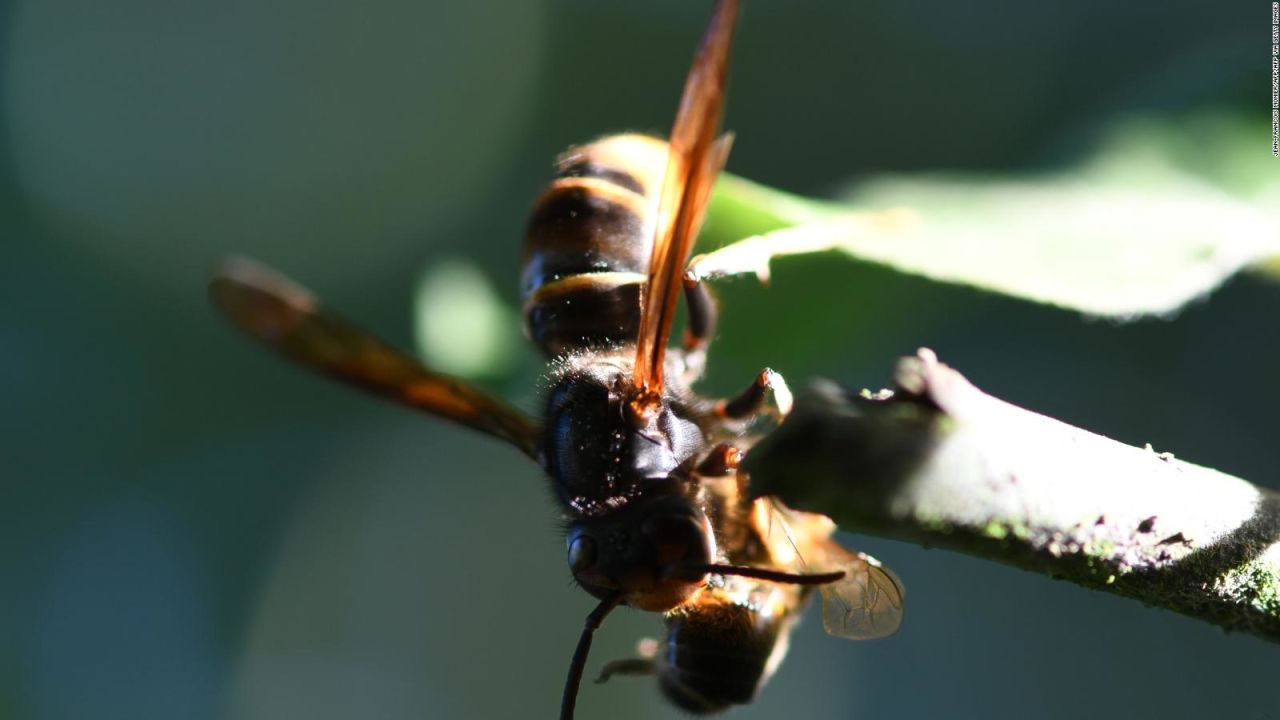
(287, 318)
(694, 162)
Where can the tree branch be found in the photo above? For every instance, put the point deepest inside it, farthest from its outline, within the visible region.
(943, 464)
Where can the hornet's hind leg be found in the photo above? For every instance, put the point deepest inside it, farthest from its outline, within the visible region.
(697, 335)
(702, 324)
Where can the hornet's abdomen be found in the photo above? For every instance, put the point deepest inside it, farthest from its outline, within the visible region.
(587, 245)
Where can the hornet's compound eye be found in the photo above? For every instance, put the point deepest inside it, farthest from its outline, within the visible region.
(582, 553)
(677, 539)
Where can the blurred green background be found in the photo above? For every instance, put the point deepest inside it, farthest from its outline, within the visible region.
(193, 529)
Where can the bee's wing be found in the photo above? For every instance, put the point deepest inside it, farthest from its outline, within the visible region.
(866, 603)
(695, 159)
(286, 318)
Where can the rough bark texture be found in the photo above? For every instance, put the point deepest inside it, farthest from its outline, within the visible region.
(943, 464)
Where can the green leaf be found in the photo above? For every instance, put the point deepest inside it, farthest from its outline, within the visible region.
(1152, 221)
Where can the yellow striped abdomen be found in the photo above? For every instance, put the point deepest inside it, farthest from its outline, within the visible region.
(587, 245)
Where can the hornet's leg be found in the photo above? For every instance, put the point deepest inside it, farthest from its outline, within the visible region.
(702, 323)
(731, 499)
(629, 666)
(723, 460)
(646, 664)
(751, 402)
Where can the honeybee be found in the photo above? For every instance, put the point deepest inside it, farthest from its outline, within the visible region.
(658, 515)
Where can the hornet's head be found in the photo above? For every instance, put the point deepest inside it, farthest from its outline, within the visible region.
(646, 549)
